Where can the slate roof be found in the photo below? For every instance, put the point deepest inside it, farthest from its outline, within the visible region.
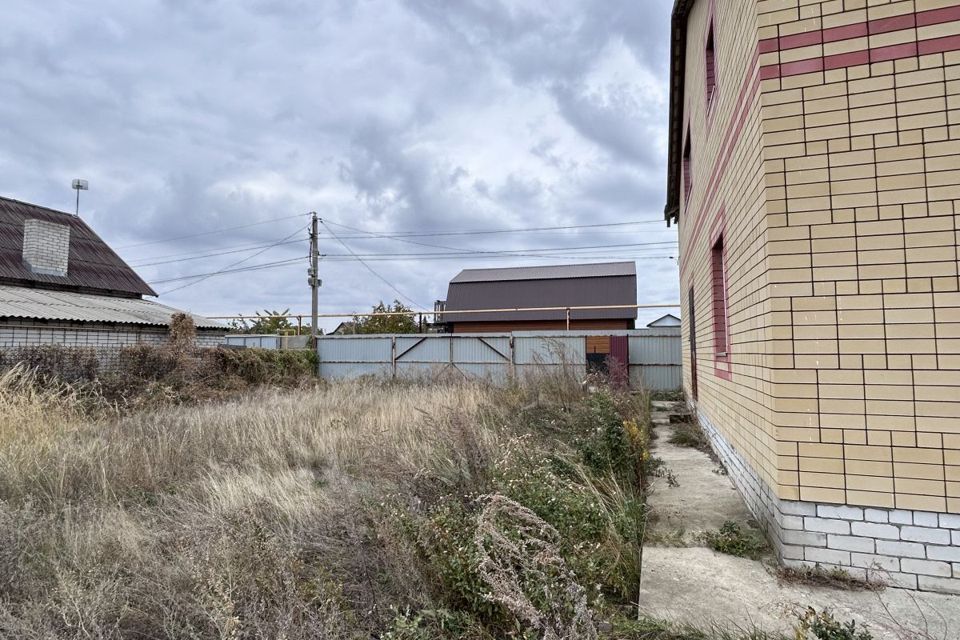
(93, 266)
(46, 304)
(612, 283)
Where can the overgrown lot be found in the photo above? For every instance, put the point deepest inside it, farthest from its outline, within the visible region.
(358, 510)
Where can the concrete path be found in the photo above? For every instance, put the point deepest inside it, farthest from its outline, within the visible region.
(683, 581)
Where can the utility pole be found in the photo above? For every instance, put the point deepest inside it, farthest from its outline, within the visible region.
(313, 279)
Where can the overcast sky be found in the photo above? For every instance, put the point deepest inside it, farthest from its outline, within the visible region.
(416, 116)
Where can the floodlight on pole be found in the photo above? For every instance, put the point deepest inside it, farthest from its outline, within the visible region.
(80, 185)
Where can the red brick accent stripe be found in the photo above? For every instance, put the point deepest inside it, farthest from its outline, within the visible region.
(861, 29)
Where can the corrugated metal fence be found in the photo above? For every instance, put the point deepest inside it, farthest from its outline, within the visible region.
(654, 355)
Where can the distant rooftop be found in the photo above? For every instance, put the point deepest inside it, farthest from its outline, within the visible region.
(548, 272)
(46, 304)
(573, 285)
(92, 265)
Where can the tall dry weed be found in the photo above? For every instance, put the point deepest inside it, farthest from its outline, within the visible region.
(314, 513)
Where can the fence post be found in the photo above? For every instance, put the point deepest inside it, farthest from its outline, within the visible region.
(513, 359)
(393, 355)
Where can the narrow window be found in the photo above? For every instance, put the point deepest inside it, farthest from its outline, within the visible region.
(687, 170)
(692, 322)
(711, 64)
(719, 276)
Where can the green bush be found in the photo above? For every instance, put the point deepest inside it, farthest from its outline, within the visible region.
(814, 625)
(733, 540)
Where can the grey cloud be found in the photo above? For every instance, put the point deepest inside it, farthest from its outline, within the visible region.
(195, 116)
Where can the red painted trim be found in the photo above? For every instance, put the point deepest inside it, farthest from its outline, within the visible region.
(805, 39)
(861, 29)
(894, 52)
(719, 298)
(769, 45)
(864, 56)
(748, 91)
(938, 16)
(841, 60)
(893, 23)
(801, 66)
(711, 65)
(938, 45)
(845, 32)
(770, 72)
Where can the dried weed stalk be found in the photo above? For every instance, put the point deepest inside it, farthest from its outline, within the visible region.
(521, 563)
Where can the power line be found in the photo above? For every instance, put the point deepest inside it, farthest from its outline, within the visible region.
(187, 257)
(210, 233)
(346, 258)
(252, 267)
(421, 234)
(367, 235)
(195, 256)
(370, 269)
(235, 263)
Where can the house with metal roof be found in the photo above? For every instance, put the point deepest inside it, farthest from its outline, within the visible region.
(491, 300)
(60, 283)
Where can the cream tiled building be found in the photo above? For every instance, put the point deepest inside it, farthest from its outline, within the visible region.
(815, 178)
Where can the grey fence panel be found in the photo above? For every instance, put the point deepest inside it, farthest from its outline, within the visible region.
(431, 349)
(355, 349)
(258, 341)
(655, 377)
(549, 349)
(655, 348)
(654, 355)
(340, 370)
(481, 349)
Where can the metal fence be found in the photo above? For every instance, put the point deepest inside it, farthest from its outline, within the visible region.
(654, 355)
(267, 341)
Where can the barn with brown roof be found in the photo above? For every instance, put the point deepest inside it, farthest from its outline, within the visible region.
(558, 287)
(60, 283)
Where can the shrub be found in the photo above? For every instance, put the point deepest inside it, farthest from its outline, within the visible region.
(688, 434)
(822, 625)
(53, 362)
(733, 540)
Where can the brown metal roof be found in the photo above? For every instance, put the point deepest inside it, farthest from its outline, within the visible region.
(678, 54)
(547, 286)
(93, 266)
(550, 272)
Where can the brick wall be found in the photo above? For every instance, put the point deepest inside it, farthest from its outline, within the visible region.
(862, 181)
(827, 167)
(21, 333)
(46, 247)
(724, 206)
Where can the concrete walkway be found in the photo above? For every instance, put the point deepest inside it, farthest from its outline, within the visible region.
(684, 581)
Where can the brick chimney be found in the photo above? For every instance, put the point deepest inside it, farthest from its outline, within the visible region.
(46, 247)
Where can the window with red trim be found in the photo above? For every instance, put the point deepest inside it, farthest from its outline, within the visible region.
(687, 170)
(719, 276)
(711, 65)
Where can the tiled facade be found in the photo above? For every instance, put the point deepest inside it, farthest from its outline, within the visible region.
(819, 214)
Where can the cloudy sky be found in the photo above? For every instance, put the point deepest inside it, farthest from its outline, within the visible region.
(209, 128)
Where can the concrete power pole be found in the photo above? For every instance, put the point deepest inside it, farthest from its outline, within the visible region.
(314, 280)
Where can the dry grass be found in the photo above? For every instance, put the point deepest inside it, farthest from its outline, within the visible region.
(315, 513)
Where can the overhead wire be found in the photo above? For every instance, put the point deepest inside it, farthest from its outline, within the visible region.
(211, 232)
(253, 267)
(235, 263)
(371, 269)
